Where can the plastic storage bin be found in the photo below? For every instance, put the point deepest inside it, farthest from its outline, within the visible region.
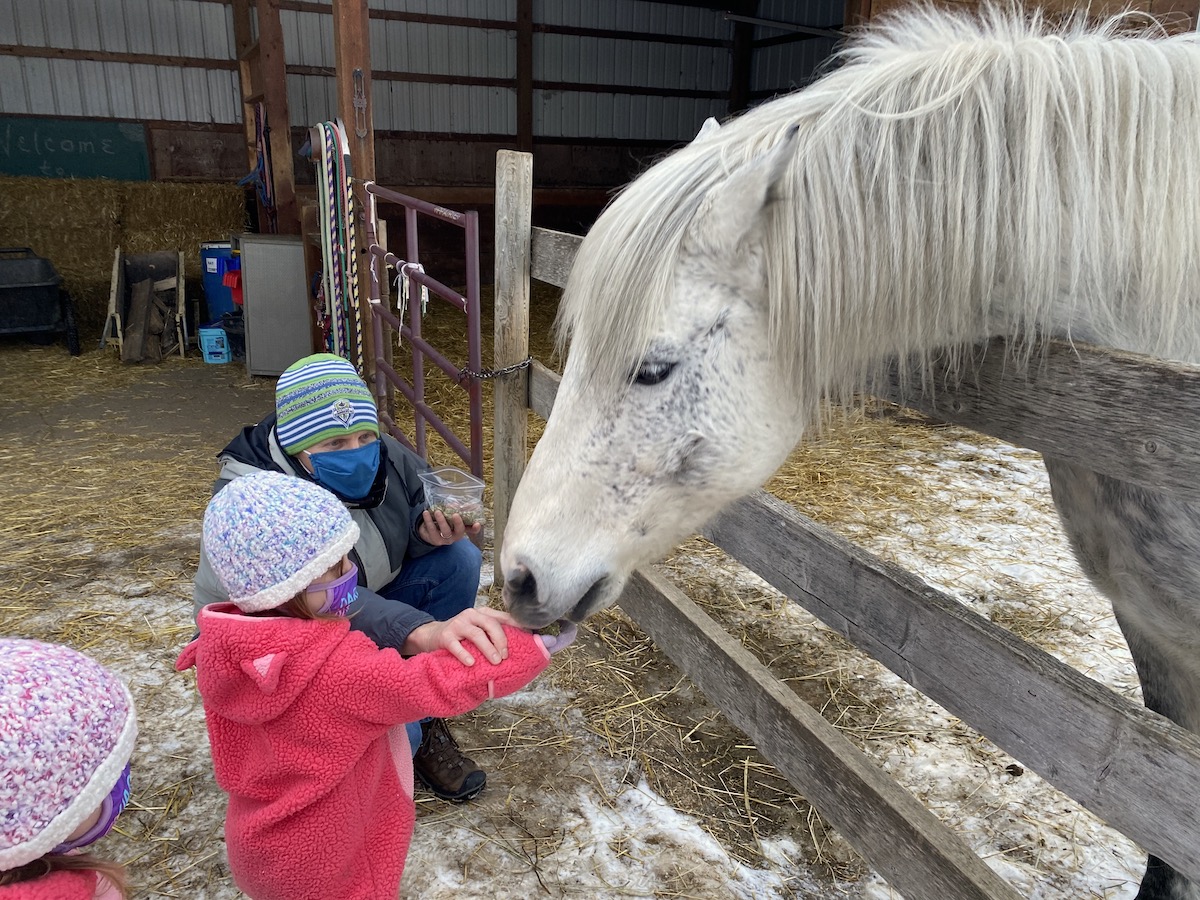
(31, 298)
(454, 491)
(216, 258)
(214, 345)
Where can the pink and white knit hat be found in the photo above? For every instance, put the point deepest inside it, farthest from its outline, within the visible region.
(269, 536)
(67, 729)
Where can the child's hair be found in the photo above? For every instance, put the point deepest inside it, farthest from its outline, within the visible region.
(60, 862)
(67, 730)
(269, 536)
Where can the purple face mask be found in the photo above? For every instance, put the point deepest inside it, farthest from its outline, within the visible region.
(110, 808)
(339, 593)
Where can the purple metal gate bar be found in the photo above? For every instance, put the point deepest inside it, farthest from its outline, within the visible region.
(385, 375)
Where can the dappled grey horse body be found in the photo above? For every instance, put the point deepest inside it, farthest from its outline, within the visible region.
(959, 177)
(1141, 548)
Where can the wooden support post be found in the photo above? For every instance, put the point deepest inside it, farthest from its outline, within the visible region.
(352, 58)
(247, 50)
(514, 208)
(857, 13)
(272, 70)
(741, 64)
(525, 75)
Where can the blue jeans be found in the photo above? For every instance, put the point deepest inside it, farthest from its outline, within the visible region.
(442, 583)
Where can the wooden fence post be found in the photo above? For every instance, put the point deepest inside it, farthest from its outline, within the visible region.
(514, 211)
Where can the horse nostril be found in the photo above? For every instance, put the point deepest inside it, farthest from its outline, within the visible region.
(521, 586)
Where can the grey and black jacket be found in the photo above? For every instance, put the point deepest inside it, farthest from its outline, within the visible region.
(387, 519)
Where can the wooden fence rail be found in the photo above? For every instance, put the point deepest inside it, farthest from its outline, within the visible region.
(1118, 413)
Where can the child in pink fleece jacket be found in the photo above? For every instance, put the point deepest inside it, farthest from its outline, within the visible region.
(305, 717)
(67, 730)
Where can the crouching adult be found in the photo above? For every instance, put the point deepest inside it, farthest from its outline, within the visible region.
(418, 573)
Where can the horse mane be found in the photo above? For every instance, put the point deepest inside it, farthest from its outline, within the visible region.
(958, 175)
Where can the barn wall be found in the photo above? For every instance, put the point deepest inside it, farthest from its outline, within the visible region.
(615, 82)
(154, 60)
(780, 68)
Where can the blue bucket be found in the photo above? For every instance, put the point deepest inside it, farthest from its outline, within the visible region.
(214, 345)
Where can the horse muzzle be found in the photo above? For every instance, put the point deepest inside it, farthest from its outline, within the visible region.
(533, 609)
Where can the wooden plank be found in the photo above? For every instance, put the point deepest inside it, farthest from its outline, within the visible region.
(553, 252)
(243, 36)
(272, 71)
(900, 838)
(112, 56)
(514, 209)
(137, 322)
(1122, 414)
(543, 385)
(1133, 768)
(741, 66)
(352, 53)
(394, 15)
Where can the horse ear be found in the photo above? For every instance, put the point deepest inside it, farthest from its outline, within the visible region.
(734, 206)
(707, 130)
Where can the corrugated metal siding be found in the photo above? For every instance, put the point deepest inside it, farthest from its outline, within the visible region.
(505, 10)
(789, 66)
(634, 15)
(602, 60)
(193, 28)
(56, 87)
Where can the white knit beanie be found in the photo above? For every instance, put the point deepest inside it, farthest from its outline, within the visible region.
(269, 536)
(67, 730)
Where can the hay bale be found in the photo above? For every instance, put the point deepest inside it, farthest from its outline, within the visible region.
(78, 223)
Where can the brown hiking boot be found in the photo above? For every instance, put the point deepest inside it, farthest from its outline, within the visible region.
(441, 766)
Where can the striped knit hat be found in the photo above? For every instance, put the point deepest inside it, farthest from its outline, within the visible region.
(320, 397)
(67, 730)
(269, 536)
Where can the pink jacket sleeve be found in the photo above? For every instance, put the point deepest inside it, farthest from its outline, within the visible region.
(388, 689)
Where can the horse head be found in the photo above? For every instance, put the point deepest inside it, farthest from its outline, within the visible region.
(669, 408)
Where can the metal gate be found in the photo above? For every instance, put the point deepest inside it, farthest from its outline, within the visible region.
(411, 273)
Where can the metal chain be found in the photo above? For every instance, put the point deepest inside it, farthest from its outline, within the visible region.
(494, 373)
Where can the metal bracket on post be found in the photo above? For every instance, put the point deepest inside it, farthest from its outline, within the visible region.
(359, 101)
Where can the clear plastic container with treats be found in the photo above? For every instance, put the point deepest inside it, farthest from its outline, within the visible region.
(453, 491)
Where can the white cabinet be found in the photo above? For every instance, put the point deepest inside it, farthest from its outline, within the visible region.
(275, 302)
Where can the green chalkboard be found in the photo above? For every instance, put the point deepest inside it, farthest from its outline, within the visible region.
(73, 148)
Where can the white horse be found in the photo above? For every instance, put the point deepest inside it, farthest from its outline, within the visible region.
(955, 178)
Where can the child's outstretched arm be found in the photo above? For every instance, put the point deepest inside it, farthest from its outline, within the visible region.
(390, 690)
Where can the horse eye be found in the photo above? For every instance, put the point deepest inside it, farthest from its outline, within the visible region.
(653, 372)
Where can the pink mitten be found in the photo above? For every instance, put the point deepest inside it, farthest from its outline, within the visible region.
(564, 638)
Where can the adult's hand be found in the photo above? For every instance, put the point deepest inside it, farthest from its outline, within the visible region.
(482, 626)
(438, 530)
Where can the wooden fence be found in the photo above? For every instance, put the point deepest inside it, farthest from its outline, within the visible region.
(1127, 416)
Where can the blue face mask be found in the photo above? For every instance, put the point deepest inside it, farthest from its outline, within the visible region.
(348, 473)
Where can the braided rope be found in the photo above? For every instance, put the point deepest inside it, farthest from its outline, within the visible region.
(337, 302)
(326, 244)
(352, 253)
